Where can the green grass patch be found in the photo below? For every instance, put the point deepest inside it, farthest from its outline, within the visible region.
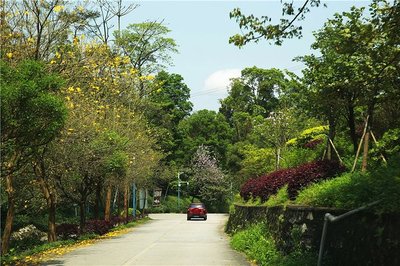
(353, 190)
(259, 246)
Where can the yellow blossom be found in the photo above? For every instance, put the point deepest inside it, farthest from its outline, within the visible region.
(31, 40)
(58, 8)
(58, 55)
(9, 55)
(53, 62)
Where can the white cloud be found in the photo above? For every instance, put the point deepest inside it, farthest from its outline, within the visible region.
(220, 80)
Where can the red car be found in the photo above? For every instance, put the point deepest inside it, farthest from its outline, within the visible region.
(197, 210)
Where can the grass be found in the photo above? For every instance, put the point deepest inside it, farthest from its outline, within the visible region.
(259, 246)
(48, 251)
(353, 190)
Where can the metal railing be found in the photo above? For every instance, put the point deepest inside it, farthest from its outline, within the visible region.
(333, 219)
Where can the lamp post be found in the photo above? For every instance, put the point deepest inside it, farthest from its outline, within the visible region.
(179, 189)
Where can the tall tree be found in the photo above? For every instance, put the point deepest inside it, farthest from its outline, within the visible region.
(31, 116)
(148, 47)
(206, 128)
(208, 179)
(168, 105)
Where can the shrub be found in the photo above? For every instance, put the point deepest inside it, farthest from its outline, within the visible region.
(27, 237)
(296, 178)
(99, 227)
(258, 244)
(281, 197)
(353, 190)
(67, 231)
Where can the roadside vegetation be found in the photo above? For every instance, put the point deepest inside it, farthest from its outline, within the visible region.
(259, 246)
(34, 253)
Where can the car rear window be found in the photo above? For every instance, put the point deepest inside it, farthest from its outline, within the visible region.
(196, 205)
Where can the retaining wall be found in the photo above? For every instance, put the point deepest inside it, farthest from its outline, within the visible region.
(364, 238)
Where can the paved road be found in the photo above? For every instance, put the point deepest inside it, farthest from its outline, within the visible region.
(168, 239)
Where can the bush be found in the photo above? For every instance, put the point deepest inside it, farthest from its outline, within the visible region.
(99, 227)
(296, 178)
(27, 237)
(257, 243)
(353, 190)
(67, 231)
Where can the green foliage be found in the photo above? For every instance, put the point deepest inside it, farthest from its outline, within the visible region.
(388, 145)
(207, 128)
(170, 205)
(30, 114)
(147, 45)
(309, 134)
(257, 243)
(353, 190)
(256, 161)
(256, 28)
(293, 156)
(280, 198)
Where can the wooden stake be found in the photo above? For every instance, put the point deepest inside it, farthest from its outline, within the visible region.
(376, 143)
(359, 145)
(334, 148)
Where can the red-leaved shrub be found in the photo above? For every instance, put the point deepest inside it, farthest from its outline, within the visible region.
(312, 144)
(296, 178)
(66, 231)
(99, 227)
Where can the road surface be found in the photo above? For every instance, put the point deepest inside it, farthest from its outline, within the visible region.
(168, 239)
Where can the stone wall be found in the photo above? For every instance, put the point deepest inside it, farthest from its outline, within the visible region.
(361, 239)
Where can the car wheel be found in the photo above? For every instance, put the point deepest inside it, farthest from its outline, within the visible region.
(188, 218)
(205, 218)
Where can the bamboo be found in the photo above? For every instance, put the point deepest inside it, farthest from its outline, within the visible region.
(359, 145)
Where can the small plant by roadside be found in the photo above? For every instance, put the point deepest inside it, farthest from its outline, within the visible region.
(27, 237)
(259, 246)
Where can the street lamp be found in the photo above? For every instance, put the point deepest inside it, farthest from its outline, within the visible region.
(179, 188)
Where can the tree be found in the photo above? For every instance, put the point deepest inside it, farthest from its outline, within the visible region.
(31, 117)
(262, 28)
(147, 47)
(358, 66)
(256, 92)
(35, 29)
(208, 179)
(206, 128)
(168, 105)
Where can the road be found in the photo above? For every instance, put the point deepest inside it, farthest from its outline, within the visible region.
(168, 239)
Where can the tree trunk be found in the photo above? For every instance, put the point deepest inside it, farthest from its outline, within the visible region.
(52, 234)
(365, 152)
(5, 241)
(97, 202)
(352, 127)
(126, 203)
(107, 211)
(50, 201)
(51, 210)
(331, 136)
(82, 214)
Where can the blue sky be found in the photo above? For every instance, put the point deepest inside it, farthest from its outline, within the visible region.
(206, 60)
